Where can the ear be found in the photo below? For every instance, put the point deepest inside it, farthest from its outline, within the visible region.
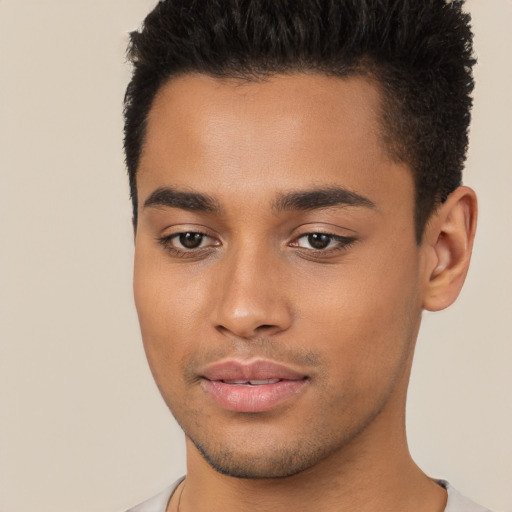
(448, 241)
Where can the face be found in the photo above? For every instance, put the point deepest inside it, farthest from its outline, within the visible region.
(277, 277)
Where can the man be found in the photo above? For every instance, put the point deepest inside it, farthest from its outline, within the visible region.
(295, 170)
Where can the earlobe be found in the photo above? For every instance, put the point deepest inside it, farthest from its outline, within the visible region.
(449, 237)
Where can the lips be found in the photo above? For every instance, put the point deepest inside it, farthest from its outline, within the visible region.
(255, 386)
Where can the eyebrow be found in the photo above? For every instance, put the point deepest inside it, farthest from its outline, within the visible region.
(302, 200)
(321, 198)
(192, 201)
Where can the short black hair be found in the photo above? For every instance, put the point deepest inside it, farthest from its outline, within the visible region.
(419, 51)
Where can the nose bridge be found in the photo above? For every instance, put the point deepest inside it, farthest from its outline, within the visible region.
(251, 298)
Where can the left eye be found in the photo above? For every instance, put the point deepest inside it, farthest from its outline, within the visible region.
(321, 241)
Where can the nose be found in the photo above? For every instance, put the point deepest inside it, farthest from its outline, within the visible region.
(251, 298)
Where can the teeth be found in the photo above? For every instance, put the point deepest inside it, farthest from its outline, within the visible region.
(251, 382)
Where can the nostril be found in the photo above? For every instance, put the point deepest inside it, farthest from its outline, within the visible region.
(248, 332)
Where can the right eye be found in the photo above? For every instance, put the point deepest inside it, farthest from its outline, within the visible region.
(187, 242)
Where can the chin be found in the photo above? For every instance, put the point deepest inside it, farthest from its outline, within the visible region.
(261, 463)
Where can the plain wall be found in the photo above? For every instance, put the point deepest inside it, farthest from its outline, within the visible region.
(82, 426)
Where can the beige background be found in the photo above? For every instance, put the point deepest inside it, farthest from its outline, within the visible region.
(82, 427)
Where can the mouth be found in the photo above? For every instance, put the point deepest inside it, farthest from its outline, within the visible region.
(252, 387)
(260, 382)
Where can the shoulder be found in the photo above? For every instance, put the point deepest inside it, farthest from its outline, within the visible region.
(157, 503)
(459, 503)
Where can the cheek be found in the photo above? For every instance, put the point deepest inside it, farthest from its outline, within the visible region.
(365, 319)
(167, 297)
(167, 314)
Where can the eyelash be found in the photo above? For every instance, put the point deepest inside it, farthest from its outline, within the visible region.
(166, 242)
(343, 244)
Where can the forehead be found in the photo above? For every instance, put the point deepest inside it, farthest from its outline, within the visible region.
(286, 132)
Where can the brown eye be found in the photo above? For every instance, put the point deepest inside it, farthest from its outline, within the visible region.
(319, 240)
(190, 240)
(316, 241)
(189, 244)
(325, 242)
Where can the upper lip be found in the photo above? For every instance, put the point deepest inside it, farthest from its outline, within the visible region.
(233, 370)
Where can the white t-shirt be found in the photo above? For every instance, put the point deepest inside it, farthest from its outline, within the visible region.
(456, 502)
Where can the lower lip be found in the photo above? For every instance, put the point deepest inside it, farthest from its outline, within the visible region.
(247, 398)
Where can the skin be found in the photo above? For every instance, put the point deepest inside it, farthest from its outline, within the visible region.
(347, 315)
